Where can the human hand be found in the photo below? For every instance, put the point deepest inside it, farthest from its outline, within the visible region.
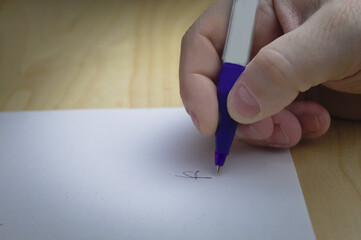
(306, 65)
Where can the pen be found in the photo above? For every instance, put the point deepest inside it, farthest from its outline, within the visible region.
(235, 57)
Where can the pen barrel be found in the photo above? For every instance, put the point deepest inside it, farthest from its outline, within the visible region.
(226, 126)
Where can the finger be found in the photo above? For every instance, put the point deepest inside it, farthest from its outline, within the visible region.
(313, 117)
(286, 132)
(266, 26)
(200, 62)
(257, 131)
(293, 63)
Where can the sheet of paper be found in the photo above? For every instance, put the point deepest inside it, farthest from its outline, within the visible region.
(122, 174)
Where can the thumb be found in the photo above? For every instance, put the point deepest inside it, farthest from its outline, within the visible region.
(323, 48)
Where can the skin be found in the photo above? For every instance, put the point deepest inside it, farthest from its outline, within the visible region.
(305, 67)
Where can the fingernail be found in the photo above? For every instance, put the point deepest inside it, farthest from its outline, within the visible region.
(195, 120)
(279, 137)
(310, 123)
(248, 132)
(244, 103)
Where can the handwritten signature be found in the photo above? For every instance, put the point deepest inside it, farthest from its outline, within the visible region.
(191, 174)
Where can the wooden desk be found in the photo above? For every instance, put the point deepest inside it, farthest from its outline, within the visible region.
(111, 54)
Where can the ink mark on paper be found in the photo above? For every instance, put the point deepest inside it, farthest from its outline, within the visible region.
(191, 174)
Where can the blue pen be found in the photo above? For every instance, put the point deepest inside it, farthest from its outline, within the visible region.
(235, 57)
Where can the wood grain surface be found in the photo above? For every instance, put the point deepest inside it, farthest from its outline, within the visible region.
(92, 54)
(109, 54)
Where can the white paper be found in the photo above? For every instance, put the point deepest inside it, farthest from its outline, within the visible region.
(111, 174)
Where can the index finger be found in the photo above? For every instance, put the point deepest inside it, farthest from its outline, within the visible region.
(200, 62)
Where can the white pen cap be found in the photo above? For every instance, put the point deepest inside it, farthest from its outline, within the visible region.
(240, 32)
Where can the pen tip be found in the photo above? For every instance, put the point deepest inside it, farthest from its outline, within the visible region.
(218, 168)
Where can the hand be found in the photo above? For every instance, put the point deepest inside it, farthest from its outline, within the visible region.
(306, 66)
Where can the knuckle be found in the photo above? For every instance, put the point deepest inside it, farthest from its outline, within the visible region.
(265, 8)
(186, 38)
(341, 26)
(342, 15)
(351, 10)
(189, 37)
(280, 70)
